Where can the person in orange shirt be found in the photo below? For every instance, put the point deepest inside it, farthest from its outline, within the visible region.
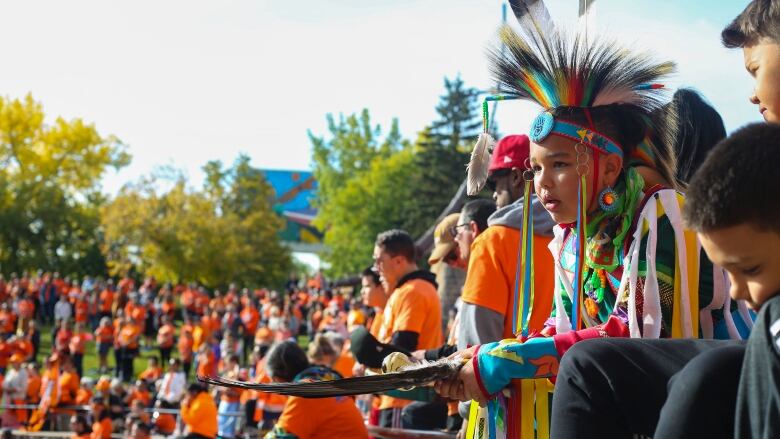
(152, 373)
(84, 395)
(166, 336)
(207, 361)
(139, 392)
(7, 319)
(164, 423)
(492, 253)
(80, 427)
(77, 346)
(412, 316)
(26, 311)
(102, 426)
(81, 309)
(199, 413)
(33, 384)
(335, 417)
(104, 337)
(106, 300)
(185, 346)
(128, 337)
(68, 383)
(250, 317)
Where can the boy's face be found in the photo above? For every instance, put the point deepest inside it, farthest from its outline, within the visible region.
(751, 258)
(762, 61)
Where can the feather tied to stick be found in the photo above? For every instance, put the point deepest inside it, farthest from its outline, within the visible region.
(413, 375)
(477, 168)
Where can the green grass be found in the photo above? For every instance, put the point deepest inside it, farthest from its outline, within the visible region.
(91, 361)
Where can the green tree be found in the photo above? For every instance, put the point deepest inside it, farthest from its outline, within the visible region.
(226, 233)
(369, 203)
(442, 151)
(50, 189)
(355, 166)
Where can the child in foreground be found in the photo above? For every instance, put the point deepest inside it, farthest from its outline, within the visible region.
(697, 388)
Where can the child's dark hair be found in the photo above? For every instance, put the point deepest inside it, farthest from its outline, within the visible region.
(737, 182)
(760, 19)
(286, 360)
(397, 243)
(699, 128)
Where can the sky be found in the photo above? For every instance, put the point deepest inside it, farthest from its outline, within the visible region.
(185, 82)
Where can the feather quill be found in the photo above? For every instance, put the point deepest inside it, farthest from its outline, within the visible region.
(477, 168)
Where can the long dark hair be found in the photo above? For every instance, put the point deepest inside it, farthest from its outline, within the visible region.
(699, 128)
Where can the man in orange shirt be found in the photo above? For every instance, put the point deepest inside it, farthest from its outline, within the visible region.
(489, 290)
(412, 315)
(68, 383)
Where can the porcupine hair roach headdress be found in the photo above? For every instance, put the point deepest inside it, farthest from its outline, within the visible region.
(593, 92)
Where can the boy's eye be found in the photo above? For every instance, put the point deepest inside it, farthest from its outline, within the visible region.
(536, 169)
(751, 271)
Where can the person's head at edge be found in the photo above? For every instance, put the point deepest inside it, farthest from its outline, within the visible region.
(473, 221)
(733, 205)
(284, 361)
(394, 256)
(505, 172)
(757, 32)
(371, 290)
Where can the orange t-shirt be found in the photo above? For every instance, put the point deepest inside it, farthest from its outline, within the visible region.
(106, 301)
(102, 429)
(151, 374)
(322, 418)
(104, 334)
(490, 280)
(165, 423)
(200, 415)
(78, 342)
(344, 364)
(69, 388)
(414, 306)
(128, 335)
(376, 324)
(250, 317)
(82, 311)
(208, 367)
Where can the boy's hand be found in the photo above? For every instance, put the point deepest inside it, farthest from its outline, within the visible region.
(464, 387)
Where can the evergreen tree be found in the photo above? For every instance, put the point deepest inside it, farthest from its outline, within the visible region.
(442, 152)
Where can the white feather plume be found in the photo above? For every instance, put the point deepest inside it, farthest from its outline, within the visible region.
(477, 169)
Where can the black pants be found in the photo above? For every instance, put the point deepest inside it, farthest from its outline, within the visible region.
(421, 415)
(661, 388)
(78, 363)
(165, 355)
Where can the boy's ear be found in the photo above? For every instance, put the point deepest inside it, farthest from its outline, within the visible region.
(613, 166)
